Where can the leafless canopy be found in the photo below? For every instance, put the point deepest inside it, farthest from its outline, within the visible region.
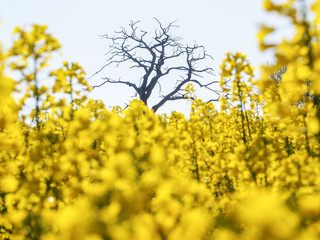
(161, 58)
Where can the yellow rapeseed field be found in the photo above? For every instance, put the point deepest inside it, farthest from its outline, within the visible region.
(71, 169)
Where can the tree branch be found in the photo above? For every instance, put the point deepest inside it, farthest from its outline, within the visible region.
(108, 80)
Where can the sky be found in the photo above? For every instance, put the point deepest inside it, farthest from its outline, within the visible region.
(220, 25)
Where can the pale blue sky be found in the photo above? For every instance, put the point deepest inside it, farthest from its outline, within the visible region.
(219, 25)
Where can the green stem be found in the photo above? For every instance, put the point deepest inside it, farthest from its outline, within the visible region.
(36, 93)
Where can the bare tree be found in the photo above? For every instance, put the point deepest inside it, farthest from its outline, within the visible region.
(161, 58)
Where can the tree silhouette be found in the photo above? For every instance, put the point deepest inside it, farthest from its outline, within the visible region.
(161, 58)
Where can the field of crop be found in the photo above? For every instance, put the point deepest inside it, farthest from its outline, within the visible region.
(71, 169)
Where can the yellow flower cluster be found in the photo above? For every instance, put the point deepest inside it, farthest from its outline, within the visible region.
(250, 170)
